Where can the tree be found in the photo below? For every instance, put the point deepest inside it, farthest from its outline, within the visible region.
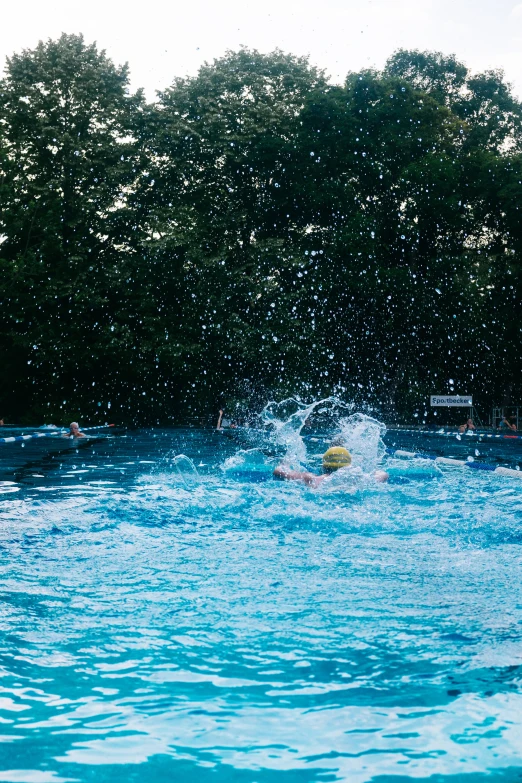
(434, 73)
(68, 157)
(216, 196)
(256, 230)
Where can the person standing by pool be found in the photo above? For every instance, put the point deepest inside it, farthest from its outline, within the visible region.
(335, 458)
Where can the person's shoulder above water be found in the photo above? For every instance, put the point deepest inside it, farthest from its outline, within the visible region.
(469, 425)
(74, 431)
(508, 424)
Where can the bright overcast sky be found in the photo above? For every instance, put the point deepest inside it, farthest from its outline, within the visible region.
(161, 40)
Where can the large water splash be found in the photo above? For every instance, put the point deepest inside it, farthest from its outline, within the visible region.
(363, 437)
(287, 420)
(333, 420)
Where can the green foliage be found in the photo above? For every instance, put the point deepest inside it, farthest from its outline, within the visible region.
(441, 76)
(255, 231)
(68, 156)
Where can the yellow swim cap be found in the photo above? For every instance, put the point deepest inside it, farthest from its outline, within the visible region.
(336, 457)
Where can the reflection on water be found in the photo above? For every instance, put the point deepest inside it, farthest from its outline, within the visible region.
(235, 629)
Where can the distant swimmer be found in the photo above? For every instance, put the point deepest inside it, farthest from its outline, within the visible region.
(335, 458)
(508, 424)
(74, 431)
(222, 422)
(468, 426)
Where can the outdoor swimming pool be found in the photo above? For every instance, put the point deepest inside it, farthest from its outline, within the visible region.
(159, 626)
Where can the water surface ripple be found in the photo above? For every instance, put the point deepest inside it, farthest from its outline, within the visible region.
(232, 630)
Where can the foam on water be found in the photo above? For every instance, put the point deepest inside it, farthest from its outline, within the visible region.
(209, 626)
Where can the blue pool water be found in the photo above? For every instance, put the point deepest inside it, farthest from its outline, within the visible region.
(157, 625)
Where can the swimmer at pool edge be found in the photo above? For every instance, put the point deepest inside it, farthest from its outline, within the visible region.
(336, 458)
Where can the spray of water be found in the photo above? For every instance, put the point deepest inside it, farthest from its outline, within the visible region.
(331, 418)
(287, 419)
(363, 437)
(187, 471)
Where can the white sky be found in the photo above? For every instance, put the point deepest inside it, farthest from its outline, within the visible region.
(161, 40)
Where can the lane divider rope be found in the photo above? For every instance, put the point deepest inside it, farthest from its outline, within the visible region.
(18, 438)
(53, 434)
(453, 434)
(498, 469)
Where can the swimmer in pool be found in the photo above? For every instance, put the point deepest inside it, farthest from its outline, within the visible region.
(508, 424)
(336, 458)
(467, 426)
(74, 431)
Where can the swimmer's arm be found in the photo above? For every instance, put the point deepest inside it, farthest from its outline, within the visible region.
(284, 472)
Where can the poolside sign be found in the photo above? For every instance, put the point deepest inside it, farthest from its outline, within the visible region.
(466, 401)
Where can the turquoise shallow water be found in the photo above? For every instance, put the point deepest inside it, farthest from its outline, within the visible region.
(156, 627)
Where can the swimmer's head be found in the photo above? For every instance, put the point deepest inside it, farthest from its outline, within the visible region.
(74, 425)
(336, 457)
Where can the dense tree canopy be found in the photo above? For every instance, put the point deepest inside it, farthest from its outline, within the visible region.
(255, 231)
